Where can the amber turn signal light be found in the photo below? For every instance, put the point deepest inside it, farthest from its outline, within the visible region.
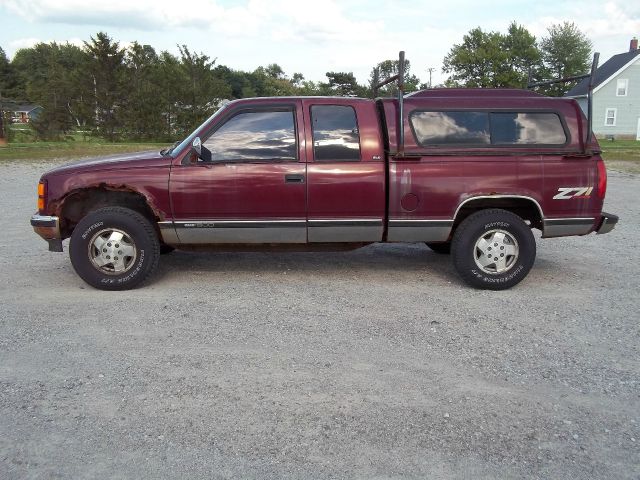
(41, 195)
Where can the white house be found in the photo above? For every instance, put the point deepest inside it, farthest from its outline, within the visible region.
(616, 95)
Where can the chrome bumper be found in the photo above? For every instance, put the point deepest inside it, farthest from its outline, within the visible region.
(607, 222)
(49, 229)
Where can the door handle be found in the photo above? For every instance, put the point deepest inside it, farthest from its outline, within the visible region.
(294, 178)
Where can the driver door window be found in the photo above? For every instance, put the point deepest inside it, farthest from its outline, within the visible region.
(255, 136)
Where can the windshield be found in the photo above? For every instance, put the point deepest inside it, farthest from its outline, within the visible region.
(179, 146)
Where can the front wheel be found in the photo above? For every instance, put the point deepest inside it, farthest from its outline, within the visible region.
(493, 249)
(114, 248)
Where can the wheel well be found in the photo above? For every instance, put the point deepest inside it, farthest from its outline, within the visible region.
(525, 208)
(78, 204)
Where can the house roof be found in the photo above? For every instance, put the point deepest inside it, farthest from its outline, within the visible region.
(27, 108)
(13, 106)
(608, 69)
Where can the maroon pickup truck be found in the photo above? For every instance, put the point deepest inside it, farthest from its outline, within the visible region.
(470, 172)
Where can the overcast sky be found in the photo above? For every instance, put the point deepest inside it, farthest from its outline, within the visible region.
(311, 37)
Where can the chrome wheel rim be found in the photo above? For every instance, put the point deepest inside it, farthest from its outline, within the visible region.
(496, 251)
(112, 251)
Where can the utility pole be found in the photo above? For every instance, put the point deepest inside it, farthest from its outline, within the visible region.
(430, 70)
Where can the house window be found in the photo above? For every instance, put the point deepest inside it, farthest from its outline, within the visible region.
(621, 88)
(610, 117)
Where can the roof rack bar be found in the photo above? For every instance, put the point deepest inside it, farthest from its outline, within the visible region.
(590, 76)
(562, 80)
(594, 67)
(377, 86)
(401, 105)
(400, 79)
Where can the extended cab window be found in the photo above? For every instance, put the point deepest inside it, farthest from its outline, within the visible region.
(487, 128)
(255, 135)
(335, 133)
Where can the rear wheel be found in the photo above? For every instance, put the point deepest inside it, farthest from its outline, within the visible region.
(114, 248)
(493, 249)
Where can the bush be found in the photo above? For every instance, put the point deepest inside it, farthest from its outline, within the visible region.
(21, 133)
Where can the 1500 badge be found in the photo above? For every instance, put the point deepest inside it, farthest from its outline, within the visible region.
(566, 193)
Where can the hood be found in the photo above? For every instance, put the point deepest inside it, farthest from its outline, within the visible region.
(124, 160)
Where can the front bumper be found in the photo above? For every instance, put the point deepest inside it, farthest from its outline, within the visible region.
(48, 228)
(607, 222)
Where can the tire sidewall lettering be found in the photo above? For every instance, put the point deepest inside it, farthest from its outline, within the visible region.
(493, 225)
(93, 227)
(504, 278)
(135, 271)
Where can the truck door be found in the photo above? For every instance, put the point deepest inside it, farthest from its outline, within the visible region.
(252, 189)
(345, 171)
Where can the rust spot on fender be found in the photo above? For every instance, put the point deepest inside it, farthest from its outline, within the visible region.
(89, 190)
(89, 196)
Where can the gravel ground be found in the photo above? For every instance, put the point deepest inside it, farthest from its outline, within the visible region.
(377, 363)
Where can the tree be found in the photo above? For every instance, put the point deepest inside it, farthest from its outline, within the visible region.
(142, 118)
(310, 87)
(389, 68)
(566, 52)
(491, 59)
(274, 70)
(8, 80)
(344, 84)
(53, 77)
(237, 80)
(269, 82)
(297, 80)
(202, 90)
(523, 56)
(170, 81)
(106, 68)
(6, 74)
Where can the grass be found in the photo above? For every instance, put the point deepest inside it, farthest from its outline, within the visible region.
(621, 155)
(70, 149)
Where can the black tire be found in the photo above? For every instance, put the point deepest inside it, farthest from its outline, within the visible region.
(443, 248)
(165, 249)
(106, 233)
(493, 232)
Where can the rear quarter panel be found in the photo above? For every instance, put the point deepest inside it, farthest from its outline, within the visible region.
(443, 177)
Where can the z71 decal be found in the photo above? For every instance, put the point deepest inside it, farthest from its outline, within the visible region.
(567, 193)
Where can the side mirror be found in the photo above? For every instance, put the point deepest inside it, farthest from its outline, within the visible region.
(197, 146)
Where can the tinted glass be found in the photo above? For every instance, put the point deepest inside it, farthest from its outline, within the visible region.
(335, 133)
(460, 128)
(527, 129)
(264, 135)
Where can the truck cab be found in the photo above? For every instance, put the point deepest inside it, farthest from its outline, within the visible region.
(282, 170)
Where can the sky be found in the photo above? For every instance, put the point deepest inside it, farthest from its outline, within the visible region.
(311, 37)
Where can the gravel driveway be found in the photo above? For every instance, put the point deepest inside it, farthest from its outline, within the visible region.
(376, 363)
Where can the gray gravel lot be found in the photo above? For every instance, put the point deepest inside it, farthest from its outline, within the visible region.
(376, 363)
